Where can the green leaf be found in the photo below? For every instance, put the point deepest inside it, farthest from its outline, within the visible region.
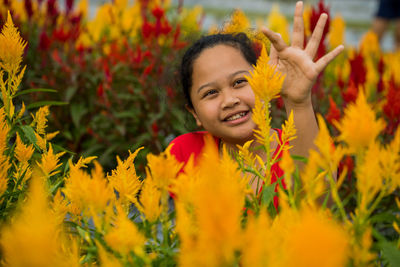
(28, 91)
(390, 253)
(70, 92)
(268, 194)
(77, 111)
(29, 133)
(46, 103)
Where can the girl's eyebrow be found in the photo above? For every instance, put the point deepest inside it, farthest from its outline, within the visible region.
(229, 77)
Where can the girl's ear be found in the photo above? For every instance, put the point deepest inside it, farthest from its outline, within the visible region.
(193, 112)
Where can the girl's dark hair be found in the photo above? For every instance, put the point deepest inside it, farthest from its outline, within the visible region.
(239, 41)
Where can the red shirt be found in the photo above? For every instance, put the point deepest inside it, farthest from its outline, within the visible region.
(192, 143)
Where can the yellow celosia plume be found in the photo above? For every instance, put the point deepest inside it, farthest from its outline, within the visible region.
(211, 237)
(4, 160)
(34, 238)
(49, 162)
(125, 180)
(150, 201)
(124, 236)
(11, 48)
(359, 126)
(237, 23)
(264, 79)
(40, 119)
(337, 31)
(277, 22)
(22, 152)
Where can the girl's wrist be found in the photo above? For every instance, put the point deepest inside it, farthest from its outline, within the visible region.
(296, 105)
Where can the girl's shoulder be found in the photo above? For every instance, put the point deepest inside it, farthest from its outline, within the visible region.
(183, 146)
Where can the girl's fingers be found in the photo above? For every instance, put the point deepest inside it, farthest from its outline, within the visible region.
(324, 61)
(275, 39)
(298, 26)
(313, 43)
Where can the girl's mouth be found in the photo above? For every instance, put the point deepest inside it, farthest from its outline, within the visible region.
(236, 116)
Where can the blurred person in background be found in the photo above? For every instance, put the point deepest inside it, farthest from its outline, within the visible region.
(388, 11)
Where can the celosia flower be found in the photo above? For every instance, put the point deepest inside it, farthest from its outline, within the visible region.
(49, 162)
(34, 238)
(124, 236)
(125, 180)
(288, 132)
(333, 112)
(265, 80)
(359, 126)
(369, 45)
(237, 23)
(215, 241)
(163, 169)
(336, 34)
(150, 200)
(288, 167)
(277, 22)
(40, 119)
(358, 73)
(310, 239)
(90, 193)
(315, 14)
(22, 152)
(11, 47)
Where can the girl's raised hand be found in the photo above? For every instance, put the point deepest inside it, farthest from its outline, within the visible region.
(296, 61)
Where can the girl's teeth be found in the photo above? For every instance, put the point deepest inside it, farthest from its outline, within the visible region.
(236, 116)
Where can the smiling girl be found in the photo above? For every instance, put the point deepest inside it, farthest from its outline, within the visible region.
(213, 76)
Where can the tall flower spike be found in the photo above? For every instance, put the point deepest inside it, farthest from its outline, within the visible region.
(359, 126)
(11, 47)
(265, 80)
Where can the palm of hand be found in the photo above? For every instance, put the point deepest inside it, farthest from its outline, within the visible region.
(297, 62)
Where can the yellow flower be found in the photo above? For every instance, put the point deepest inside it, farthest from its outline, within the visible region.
(237, 23)
(124, 236)
(369, 176)
(288, 132)
(40, 119)
(163, 169)
(261, 117)
(288, 167)
(212, 238)
(150, 200)
(337, 31)
(90, 193)
(307, 18)
(369, 45)
(41, 142)
(190, 19)
(34, 237)
(359, 126)
(11, 47)
(22, 152)
(124, 179)
(311, 239)
(312, 179)
(330, 155)
(255, 250)
(278, 23)
(265, 80)
(49, 162)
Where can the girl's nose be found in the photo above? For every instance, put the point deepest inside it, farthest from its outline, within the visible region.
(230, 100)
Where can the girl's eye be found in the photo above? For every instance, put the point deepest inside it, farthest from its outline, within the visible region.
(210, 92)
(239, 82)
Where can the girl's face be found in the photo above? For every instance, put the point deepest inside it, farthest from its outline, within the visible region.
(221, 96)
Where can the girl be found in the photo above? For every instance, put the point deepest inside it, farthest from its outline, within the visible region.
(220, 99)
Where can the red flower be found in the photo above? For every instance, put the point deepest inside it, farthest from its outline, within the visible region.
(147, 29)
(44, 41)
(100, 90)
(348, 164)
(148, 69)
(315, 14)
(28, 8)
(350, 95)
(158, 12)
(333, 113)
(358, 71)
(392, 106)
(68, 5)
(60, 35)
